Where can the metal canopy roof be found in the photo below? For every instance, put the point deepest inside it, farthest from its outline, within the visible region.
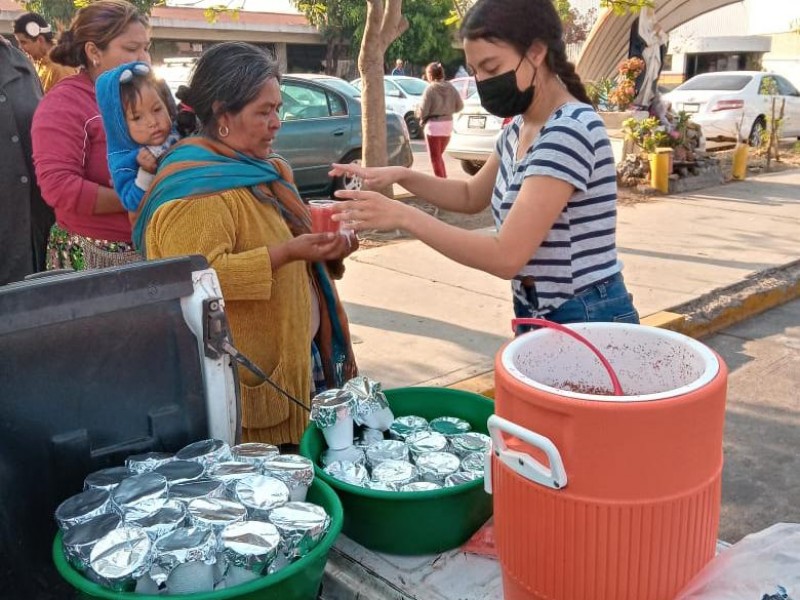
(607, 43)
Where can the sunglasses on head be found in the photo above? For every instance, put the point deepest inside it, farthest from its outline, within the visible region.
(34, 30)
(127, 74)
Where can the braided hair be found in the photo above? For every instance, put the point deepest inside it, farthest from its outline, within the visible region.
(520, 23)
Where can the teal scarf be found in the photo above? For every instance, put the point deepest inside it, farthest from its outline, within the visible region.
(196, 167)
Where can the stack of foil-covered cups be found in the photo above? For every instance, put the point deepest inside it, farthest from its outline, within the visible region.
(208, 518)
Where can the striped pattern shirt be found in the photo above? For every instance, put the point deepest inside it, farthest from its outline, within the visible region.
(580, 248)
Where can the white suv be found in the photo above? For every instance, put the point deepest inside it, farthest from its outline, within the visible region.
(403, 96)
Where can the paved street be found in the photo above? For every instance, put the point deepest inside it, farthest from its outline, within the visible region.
(761, 478)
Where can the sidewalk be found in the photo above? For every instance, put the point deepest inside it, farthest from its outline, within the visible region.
(420, 319)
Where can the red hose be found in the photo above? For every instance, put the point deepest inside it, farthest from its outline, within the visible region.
(558, 327)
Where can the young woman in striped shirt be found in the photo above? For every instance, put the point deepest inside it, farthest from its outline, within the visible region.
(551, 182)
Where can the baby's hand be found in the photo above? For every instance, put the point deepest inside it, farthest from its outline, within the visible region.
(147, 161)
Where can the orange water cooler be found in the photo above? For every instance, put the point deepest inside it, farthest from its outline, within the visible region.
(601, 497)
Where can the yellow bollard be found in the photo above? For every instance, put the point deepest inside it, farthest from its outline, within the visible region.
(660, 169)
(740, 162)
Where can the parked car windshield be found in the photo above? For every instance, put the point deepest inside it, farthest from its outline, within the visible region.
(412, 86)
(720, 82)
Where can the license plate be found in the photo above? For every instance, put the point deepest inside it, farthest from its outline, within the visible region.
(690, 107)
(477, 122)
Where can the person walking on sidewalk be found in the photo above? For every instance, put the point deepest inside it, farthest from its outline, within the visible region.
(36, 38)
(439, 102)
(551, 181)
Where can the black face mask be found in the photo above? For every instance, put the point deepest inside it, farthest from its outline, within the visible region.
(500, 95)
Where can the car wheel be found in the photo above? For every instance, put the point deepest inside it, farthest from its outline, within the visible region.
(414, 128)
(471, 166)
(755, 138)
(349, 182)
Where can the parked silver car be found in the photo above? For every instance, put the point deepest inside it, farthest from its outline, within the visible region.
(475, 133)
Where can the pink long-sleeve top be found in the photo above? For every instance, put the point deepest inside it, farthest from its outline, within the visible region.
(69, 155)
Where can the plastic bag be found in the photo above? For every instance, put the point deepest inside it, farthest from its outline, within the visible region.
(482, 541)
(762, 566)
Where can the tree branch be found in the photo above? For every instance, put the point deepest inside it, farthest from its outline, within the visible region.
(394, 24)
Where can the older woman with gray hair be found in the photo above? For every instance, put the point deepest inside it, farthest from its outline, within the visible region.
(225, 195)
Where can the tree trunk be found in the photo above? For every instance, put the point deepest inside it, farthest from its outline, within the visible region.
(384, 24)
(330, 54)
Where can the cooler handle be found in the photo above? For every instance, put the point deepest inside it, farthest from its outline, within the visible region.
(523, 464)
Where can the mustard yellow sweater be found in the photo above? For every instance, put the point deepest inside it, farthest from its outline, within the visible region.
(269, 312)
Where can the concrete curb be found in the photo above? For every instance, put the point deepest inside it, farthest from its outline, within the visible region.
(705, 315)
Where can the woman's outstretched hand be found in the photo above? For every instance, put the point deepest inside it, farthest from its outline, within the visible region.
(314, 247)
(375, 178)
(370, 210)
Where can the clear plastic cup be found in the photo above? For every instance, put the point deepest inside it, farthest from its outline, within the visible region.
(321, 216)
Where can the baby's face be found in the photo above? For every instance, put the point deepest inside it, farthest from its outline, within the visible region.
(148, 121)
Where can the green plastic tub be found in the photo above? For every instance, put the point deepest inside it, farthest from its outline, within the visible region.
(412, 523)
(299, 581)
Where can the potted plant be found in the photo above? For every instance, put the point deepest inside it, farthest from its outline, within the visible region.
(620, 94)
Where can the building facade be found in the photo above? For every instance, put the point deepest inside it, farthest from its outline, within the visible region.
(750, 35)
(183, 33)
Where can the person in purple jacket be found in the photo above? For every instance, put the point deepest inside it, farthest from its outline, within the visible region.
(92, 228)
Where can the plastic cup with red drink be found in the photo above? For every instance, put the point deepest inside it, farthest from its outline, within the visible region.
(322, 217)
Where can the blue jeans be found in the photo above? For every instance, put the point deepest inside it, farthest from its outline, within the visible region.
(607, 300)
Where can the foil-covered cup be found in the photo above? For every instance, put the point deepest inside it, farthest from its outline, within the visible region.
(180, 471)
(379, 486)
(302, 525)
(474, 463)
(372, 408)
(332, 411)
(466, 443)
(183, 561)
(349, 472)
(79, 540)
(120, 557)
(204, 488)
(402, 427)
(254, 453)
(168, 518)
(140, 495)
(206, 452)
(370, 436)
(426, 441)
(436, 466)
(386, 450)
(296, 471)
(449, 426)
(106, 479)
(231, 472)
(148, 461)
(420, 486)
(261, 494)
(460, 478)
(215, 513)
(351, 454)
(82, 507)
(394, 473)
(248, 549)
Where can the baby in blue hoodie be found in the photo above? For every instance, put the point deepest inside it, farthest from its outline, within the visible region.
(138, 115)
